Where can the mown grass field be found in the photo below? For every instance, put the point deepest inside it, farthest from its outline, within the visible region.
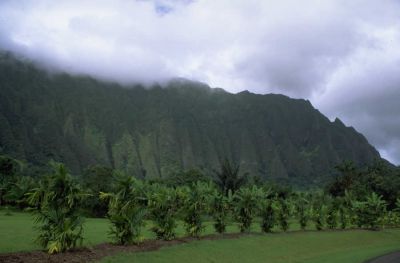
(311, 247)
(17, 234)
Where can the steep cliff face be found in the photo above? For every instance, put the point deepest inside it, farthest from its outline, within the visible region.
(154, 132)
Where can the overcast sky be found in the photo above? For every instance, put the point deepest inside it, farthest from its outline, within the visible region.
(343, 55)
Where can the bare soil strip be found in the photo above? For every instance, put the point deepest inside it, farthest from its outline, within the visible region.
(102, 250)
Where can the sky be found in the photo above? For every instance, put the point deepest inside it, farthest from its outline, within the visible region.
(343, 56)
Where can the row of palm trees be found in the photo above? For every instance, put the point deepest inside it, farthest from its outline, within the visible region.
(56, 203)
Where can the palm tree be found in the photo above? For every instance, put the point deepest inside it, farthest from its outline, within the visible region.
(127, 209)
(219, 208)
(228, 178)
(57, 200)
(195, 201)
(343, 212)
(370, 211)
(332, 213)
(162, 202)
(284, 213)
(318, 211)
(246, 201)
(268, 211)
(302, 211)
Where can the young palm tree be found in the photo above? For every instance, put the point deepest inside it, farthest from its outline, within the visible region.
(219, 208)
(318, 211)
(348, 203)
(370, 211)
(343, 212)
(302, 211)
(162, 202)
(195, 201)
(332, 214)
(268, 208)
(246, 201)
(126, 209)
(284, 213)
(57, 200)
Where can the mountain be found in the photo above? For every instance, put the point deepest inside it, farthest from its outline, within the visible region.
(153, 132)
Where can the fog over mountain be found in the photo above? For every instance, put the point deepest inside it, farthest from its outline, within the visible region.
(344, 56)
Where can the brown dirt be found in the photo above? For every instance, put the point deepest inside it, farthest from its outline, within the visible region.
(102, 250)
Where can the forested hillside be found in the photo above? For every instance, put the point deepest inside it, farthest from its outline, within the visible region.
(153, 132)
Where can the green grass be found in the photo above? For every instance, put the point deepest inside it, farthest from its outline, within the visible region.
(17, 234)
(338, 246)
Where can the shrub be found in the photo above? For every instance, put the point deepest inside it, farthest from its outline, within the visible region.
(369, 212)
(318, 212)
(283, 213)
(126, 209)
(194, 205)
(57, 200)
(220, 208)
(162, 202)
(302, 211)
(332, 214)
(343, 212)
(268, 214)
(246, 204)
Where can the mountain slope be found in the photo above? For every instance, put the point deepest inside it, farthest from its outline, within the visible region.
(154, 132)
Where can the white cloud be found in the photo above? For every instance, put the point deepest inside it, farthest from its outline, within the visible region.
(343, 55)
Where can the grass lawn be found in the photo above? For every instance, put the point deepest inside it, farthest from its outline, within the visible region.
(311, 247)
(17, 234)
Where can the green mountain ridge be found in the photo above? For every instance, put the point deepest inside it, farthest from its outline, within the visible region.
(153, 132)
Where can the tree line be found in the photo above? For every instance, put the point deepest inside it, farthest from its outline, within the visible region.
(60, 201)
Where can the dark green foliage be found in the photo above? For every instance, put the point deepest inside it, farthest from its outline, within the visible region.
(195, 201)
(219, 208)
(57, 200)
(155, 132)
(319, 211)
(187, 177)
(302, 211)
(370, 211)
(228, 178)
(379, 177)
(17, 191)
(332, 214)
(348, 175)
(10, 169)
(163, 206)
(344, 213)
(268, 212)
(268, 217)
(246, 202)
(126, 209)
(283, 213)
(97, 179)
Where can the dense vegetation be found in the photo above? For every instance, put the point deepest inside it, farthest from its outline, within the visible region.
(56, 199)
(161, 131)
